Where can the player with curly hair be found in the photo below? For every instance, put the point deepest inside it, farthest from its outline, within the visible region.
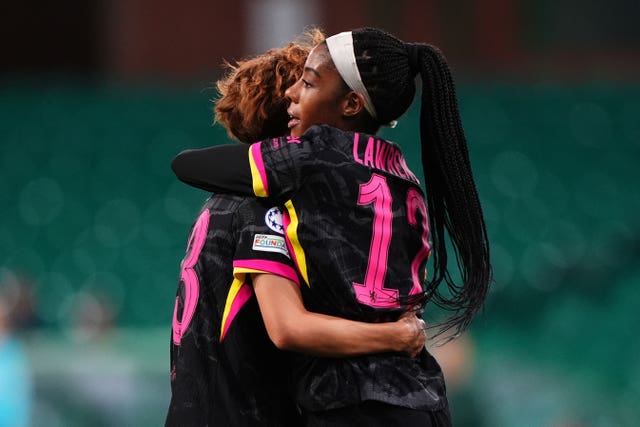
(358, 223)
(225, 368)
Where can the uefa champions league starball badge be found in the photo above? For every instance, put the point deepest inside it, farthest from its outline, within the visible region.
(273, 219)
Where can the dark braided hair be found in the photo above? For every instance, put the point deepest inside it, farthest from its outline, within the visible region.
(388, 67)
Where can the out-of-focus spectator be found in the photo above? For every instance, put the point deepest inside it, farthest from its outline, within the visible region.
(457, 359)
(15, 376)
(93, 316)
(20, 300)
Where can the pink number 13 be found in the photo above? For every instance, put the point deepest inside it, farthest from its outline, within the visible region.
(376, 192)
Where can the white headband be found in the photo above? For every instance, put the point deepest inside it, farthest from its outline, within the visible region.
(341, 51)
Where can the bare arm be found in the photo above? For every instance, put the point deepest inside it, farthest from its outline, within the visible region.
(292, 327)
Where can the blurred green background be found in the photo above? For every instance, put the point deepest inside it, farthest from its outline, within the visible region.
(94, 224)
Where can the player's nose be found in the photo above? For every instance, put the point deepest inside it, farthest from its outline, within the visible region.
(292, 92)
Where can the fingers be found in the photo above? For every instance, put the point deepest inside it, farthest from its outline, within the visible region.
(418, 346)
(419, 325)
(413, 319)
(416, 333)
(420, 336)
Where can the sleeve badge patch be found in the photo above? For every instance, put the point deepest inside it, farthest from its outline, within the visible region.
(273, 220)
(270, 243)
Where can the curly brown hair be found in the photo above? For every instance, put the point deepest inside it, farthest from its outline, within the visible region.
(252, 105)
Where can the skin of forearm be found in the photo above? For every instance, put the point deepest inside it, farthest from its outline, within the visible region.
(291, 327)
(328, 336)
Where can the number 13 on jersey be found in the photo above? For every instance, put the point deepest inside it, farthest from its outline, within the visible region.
(376, 192)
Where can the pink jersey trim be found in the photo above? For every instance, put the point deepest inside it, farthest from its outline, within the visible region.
(264, 266)
(258, 172)
(290, 223)
(238, 301)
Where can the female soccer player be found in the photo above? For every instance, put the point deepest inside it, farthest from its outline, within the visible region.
(357, 218)
(224, 368)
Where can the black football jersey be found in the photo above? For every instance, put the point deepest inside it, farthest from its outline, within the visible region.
(224, 369)
(356, 218)
(356, 222)
(356, 225)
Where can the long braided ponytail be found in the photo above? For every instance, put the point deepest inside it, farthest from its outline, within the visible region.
(388, 68)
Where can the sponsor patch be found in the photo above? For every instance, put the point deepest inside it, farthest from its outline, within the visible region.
(273, 220)
(270, 243)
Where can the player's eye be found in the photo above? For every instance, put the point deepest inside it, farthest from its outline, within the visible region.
(305, 83)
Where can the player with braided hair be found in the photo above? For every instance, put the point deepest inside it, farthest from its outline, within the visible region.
(224, 368)
(388, 67)
(359, 227)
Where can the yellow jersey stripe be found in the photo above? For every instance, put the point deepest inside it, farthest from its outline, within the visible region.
(292, 234)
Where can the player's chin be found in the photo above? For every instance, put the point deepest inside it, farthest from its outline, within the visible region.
(298, 131)
(296, 128)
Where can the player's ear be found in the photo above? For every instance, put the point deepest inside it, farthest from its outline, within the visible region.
(352, 104)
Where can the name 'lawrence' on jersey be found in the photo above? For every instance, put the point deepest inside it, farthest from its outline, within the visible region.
(356, 222)
(359, 224)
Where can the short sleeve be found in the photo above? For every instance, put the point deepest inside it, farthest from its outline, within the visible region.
(280, 165)
(261, 245)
